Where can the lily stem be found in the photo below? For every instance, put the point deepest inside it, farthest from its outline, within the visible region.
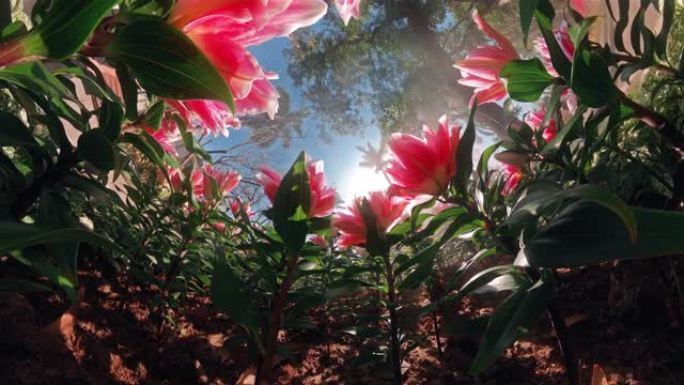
(394, 323)
(265, 372)
(561, 329)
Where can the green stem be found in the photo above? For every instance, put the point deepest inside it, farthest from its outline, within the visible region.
(394, 322)
(561, 329)
(265, 372)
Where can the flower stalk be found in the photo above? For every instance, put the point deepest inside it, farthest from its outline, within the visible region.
(264, 374)
(395, 347)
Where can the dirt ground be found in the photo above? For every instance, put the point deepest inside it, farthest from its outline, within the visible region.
(623, 319)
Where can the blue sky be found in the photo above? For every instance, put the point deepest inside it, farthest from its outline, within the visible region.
(340, 156)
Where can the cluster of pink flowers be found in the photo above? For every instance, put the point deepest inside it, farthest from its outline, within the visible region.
(223, 31)
(481, 68)
(237, 206)
(206, 182)
(535, 120)
(322, 201)
(350, 223)
(425, 166)
(419, 167)
(481, 71)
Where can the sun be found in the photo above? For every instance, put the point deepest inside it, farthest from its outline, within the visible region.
(360, 181)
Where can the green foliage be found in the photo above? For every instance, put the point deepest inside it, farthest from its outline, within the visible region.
(156, 52)
(464, 155)
(583, 234)
(591, 80)
(513, 318)
(65, 25)
(585, 196)
(291, 206)
(95, 147)
(526, 79)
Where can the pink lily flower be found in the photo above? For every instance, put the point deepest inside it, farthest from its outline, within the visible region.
(165, 139)
(219, 226)
(224, 29)
(513, 176)
(236, 205)
(424, 166)
(201, 179)
(176, 176)
(535, 121)
(317, 240)
(348, 9)
(351, 227)
(580, 6)
(322, 197)
(202, 117)
(481, 68)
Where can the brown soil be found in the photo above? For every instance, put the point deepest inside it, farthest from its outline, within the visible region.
(622, 318)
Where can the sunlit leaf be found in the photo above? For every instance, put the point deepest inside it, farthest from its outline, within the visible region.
(526, 80)
(167, 63)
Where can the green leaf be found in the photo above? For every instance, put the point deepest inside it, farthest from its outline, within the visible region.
(54, 212)
(15, 236)
(145, 144)
(638, 26)
(110, 119)
(94, 147)
(544, 16)
(67, 25)
(621, 25)
(480, 255)
(93, 83)
(13, 30)
(22, 286)
(512, 319)
(464, 156)
(36, 78)
(231, 296)
(539, 197)
(151, 7)
(591, 81)
(154, 115)
(167, 63)
(291, 204)
(668, 12)
(130, 91)
(585, 233)
(14, 133)
(526, 80)
(91, 187)
(483, 163)
(579, 32)
(527, 9)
